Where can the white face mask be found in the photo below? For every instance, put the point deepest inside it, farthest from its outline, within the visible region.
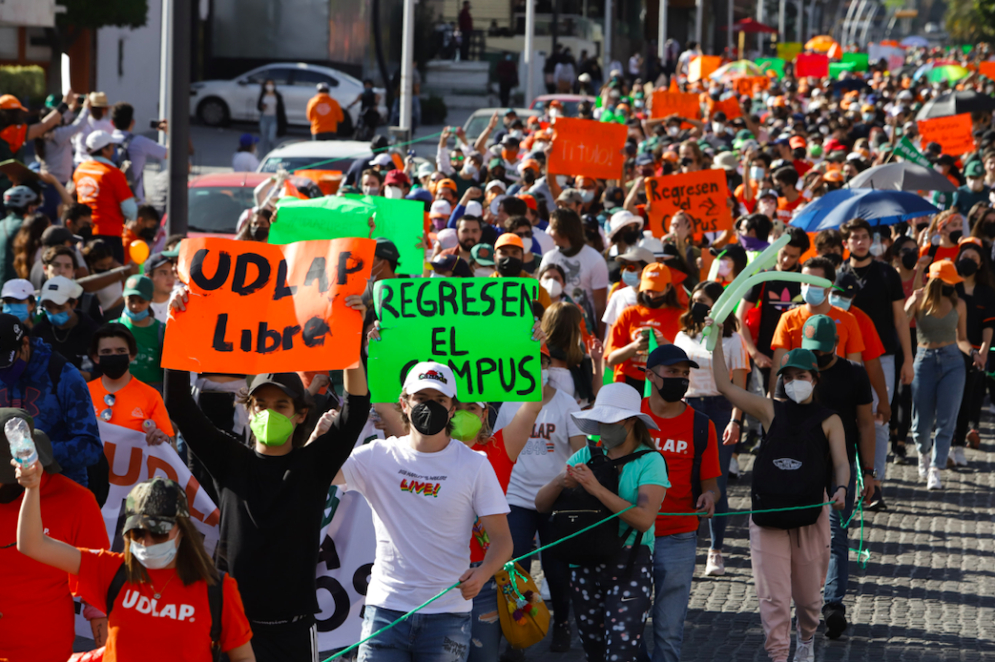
(371, 190)
(392, 193)
(156, 557)
(798, 390)
(552, 286)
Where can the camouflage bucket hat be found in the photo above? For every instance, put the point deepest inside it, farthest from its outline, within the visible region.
(154, 505)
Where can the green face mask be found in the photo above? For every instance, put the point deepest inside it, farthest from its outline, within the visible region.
(465, 426)
(271, 428)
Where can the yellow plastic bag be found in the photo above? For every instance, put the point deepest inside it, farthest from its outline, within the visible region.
(523, 614)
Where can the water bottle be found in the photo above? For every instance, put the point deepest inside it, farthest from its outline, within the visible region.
(22, 448)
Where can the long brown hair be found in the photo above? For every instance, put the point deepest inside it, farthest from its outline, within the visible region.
(192, 562)
(934, 294)
(561, 324)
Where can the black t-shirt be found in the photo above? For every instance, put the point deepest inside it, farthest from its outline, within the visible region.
(980, 311)
(881, 287)
(73, 344)
(779, 296)
(842, 388)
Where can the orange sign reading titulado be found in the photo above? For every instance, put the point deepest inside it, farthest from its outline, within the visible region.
(587, 148)
(256, 308)
(701, 195)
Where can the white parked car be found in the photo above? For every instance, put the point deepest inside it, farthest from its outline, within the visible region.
(217, 102)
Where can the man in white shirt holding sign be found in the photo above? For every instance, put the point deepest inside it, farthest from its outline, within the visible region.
(426, 490)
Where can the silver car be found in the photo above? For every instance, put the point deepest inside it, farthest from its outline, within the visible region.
(217, 102)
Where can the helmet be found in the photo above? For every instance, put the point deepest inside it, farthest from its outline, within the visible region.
(19, 197)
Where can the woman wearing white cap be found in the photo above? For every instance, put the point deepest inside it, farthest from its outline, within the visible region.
(620, 591)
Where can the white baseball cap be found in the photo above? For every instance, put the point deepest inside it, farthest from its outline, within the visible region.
(431, 375)
(18, 288)
(615, 402)
(622, 218)
(474, 209)
(99, 140)
(60, 289)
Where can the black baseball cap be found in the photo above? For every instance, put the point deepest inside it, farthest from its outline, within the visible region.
(288, 382)
(11, 336)
(386, 250)
(668, 355)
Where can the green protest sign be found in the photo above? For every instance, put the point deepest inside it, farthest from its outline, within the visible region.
(480, 327)
(334, 217)
(836, 68)
(774, 64)
(905, 149)
(858, 59)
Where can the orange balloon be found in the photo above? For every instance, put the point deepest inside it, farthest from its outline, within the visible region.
(138, 250)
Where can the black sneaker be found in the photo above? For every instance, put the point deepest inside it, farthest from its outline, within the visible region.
(835, 617)
(561, 638)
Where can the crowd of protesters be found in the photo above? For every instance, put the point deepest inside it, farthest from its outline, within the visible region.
(831, 378)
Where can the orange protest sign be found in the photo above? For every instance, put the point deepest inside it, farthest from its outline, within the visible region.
(953, 133)
(987, 69)
(256, 308)
(683, 104)
(702, 66)
(728, 106)
(748, 85)
(587, 148)
(701, 195)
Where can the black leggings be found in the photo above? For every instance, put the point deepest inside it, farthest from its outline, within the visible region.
(619, 593)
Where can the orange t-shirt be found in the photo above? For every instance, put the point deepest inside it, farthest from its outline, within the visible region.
(785, 209)
(873, 347)
(324, 113)
(497, 455)
(133, 405)
(788, 334)
(177, 626)
(37, 624)
(675, 441)
(629, 323)
(102, 188)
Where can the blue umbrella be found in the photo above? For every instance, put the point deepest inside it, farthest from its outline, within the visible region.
(874, 206)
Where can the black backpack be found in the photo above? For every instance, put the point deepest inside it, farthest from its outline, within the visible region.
(791, 469)
(576, 509)
(215, 598)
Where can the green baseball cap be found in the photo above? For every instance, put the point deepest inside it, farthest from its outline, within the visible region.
(819, 333)
(802, 359)
(154, 505)
(140, 286)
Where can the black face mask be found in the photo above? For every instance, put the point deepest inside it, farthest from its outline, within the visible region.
(630, 237)
(837, 259)
(824, 360)
(148, 234)
(947, 290)
(699, 311)
(673, 388)
(509, 267)
(429, 417)
(967, 267)
(956, 235)
(259, 233)
(114, 365)
(909, 260)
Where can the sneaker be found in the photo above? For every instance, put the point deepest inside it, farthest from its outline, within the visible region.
(715, 566)
(974, 439)
(876, 502)
(835, 617)
(933, 481)
(804, 650)
(734, 468)
(957, 455)
(923, 464)
(561, 638)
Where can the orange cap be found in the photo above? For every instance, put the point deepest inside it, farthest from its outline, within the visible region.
(945, 271)
(655, 278)
(446, 183)
(9, 102)
(529, 200)
(509, 239)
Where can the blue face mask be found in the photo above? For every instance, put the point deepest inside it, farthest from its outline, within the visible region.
(58, 319)
(631, 278)
(814, 296)
(840, 301)
(18, 310)
(136, 317)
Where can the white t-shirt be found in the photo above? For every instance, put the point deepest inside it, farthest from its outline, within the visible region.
(586, 271)
(244, 162)
(545, 452)
(702, 382)
(620, 299)
(424, 505)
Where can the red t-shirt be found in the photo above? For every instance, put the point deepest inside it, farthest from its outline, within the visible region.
(36, 604)
(675, 441)
(497, 455)
(630, 322)
(175, 627)
(102, 188)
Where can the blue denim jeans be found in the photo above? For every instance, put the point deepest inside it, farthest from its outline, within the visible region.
(838, 573)
(936, 393)
(485, 629)
(719, 410)
(673, 569)
(524, 524)
(420, 638)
